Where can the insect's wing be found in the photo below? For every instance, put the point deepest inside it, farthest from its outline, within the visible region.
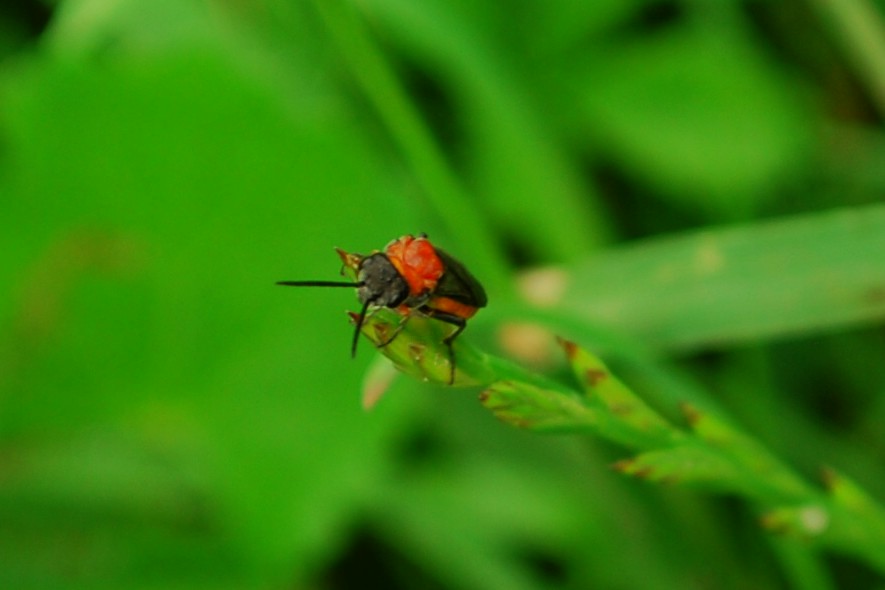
(458, 284)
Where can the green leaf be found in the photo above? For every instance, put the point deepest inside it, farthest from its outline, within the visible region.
(858, 522)
(415, 346)
(606, 391)
(771, 279)
(684, 464)
(766, 477)
(152, 199)
(610, 410)
(699, 111)
(513, 153)
(526, 406)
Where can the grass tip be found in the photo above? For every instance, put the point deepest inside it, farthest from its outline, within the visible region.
(570, 348)
(691, 413)
(829, 477)
(623, 465)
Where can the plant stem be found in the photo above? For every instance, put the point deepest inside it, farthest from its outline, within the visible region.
(379, 83)
(861, 33)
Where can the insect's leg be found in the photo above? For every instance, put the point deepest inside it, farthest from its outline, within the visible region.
(459, 323)
(396, 331)
(367, 312)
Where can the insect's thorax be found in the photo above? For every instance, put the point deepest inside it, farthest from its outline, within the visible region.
(418, 263)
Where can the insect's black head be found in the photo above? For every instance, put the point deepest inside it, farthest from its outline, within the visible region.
(381, 283)
(378, 284)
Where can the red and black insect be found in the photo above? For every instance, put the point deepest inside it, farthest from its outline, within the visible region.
(411, 276)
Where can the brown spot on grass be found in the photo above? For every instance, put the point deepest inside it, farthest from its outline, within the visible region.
(621, 409)
(830, 478)
(668, 480)
(773, 524)
(623, 465)
(416, 351)
(691, 413)
(381, 332)
(570, 348)
(594, 377)
(875, 295)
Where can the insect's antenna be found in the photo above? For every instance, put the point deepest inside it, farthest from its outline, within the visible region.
(359, 327)
(319, 284)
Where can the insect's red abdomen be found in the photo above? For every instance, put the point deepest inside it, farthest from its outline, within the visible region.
(450, 306)
(417, 261)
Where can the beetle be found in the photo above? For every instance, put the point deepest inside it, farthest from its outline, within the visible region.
(411, 275)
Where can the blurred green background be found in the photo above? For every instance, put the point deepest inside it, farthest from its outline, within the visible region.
(701, 182)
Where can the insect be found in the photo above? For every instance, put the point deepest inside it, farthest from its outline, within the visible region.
(411, 275)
